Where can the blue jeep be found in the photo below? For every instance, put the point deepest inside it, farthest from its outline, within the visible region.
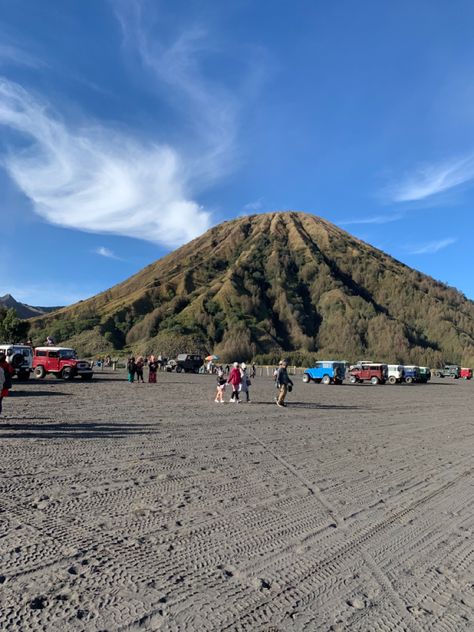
(411, 374)
(326, 371)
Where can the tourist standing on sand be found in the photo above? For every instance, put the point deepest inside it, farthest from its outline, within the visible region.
(131, 368)
(5, 378)
(245, 381)
(221, 382)
(283, 381)
(139, 369)
(235, 379)
(152, 369)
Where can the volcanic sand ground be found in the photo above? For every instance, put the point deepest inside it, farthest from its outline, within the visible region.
(149, 507)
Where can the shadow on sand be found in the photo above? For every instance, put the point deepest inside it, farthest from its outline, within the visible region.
(314, 406)
(81, 430)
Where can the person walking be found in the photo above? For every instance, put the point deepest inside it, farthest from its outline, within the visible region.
(139, 369)
(245, 381)
(131, 368)
(283, 382)
(221, 382)
(152, 369)
(235, 379)
(5, 378)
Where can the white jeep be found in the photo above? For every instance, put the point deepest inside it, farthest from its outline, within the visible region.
(395, 373)
(20, 357)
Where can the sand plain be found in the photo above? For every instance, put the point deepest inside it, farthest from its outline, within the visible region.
(150, 507)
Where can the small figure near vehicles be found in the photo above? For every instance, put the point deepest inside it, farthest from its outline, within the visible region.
(61, 362)
(325, 372)
(373, 373)
(20, 359)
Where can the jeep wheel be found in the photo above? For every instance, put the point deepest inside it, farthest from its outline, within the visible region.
(392, 379)
(39, 372)
(178, 369)
(353, 379)
(408, 380)
(306, 378)
(67, 373)
(326, 380)
(374, 380)
(23, 376)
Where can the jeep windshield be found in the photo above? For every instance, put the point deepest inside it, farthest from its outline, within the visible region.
(67, 354)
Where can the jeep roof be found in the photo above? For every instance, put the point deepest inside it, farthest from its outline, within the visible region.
(54, 349)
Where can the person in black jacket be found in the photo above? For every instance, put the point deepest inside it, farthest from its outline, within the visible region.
(283, 380)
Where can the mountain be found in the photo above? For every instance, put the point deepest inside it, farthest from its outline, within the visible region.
(22, 309)
(264, 285)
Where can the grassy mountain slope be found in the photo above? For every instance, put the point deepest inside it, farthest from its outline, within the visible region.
(261, 285)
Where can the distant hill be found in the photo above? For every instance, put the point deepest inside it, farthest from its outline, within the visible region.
(277, 284)
(22, 309)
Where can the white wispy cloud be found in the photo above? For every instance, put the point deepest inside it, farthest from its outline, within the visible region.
(105, 252)
(97, 178)
(13, 55)
(375, 219)
(431, 247)
(430, 180)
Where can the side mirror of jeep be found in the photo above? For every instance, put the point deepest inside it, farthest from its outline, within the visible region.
(9, 352)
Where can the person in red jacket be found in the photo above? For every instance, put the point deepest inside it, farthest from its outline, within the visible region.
(235, 378)
(5, 378)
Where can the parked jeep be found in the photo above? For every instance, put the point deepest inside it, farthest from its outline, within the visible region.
(424, 375)
(20, 357)
(449, 370)
(465, 373)
(188, 363)
(373, 373)
(61, 362)
(395, 374)
(411, 373)
(325, 371)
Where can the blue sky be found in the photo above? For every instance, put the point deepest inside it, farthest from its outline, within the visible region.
(128, 127)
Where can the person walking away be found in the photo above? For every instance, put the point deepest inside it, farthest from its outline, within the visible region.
(235, 379)
(245, 381)
(139, 369)
(253, 372)
(5, 378)
(152, 369)
(131, 368)
(283, 381)
(221, 382)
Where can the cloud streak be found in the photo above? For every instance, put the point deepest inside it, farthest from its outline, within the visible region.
(430, 180)
(96, 178)
(432, 247)
(375, 219)
(105, 252)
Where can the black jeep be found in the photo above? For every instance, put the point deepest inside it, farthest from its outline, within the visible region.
(188, 363)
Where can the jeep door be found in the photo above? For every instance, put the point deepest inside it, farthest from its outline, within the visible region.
(53, 361)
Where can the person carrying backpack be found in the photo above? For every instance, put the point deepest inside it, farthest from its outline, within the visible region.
(5, 378)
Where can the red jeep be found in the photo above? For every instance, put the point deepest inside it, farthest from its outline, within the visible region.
(61, 362)
(465, 373)
(365, 372)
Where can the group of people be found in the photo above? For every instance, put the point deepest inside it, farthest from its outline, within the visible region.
(238, 379)
(135, 368)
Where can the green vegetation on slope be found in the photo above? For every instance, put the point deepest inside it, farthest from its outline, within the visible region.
(259, 286)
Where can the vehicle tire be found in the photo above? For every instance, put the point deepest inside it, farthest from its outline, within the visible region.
(86, 377)
(67, 373)
(23, 376)
(17, 360)
(353, 379)
(392, 379)
(178, 369)
(306, 378)
(408, 380)
(374, 380)
(326, 380)
(39, 372)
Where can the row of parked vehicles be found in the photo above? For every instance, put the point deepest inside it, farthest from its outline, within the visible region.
(335, 372)
(41, 361)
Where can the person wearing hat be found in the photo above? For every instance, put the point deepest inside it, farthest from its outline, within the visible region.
(245, 381)
(283, 381)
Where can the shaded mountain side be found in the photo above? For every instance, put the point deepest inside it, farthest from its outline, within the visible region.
(23, 310)
(282, 282)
